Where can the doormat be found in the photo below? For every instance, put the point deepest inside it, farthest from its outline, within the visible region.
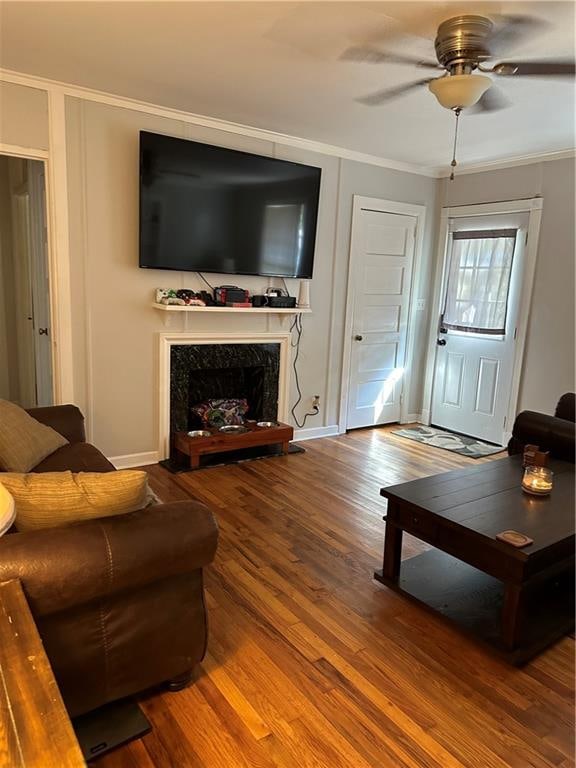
(439, 438)
(230, 457)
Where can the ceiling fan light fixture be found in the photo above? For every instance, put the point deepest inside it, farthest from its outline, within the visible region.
(459, 91)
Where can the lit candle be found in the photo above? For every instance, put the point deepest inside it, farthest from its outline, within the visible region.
(537, 480)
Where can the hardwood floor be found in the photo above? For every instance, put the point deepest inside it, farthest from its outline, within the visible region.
(312, 663)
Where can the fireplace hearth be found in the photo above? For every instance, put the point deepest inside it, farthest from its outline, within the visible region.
(204, 372)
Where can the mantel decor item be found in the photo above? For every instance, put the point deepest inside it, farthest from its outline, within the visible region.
(534, 457)
(537, 481)
(304, 294)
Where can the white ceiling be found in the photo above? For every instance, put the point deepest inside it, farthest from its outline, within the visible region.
(275, 65)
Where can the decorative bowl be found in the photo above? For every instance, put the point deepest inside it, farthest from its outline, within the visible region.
(199, 433)
(233, 429)
(265, 424)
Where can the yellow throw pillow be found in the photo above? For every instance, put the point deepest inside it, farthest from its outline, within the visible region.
(24, 442)
(50, 499)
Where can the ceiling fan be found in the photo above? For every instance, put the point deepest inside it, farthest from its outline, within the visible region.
(463, 46)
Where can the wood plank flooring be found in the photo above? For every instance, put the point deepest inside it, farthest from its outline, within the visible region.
(313, 664)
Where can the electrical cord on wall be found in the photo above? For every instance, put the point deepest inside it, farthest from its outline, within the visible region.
(201, 276)
(297, 324)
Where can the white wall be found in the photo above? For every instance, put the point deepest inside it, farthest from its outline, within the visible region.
(115, 326)
(548, 368)
(23, 116)
(23, 123)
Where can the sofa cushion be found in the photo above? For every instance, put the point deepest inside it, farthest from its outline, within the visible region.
(7, 510)
(24, 442)
(77, 457)
(52, 499)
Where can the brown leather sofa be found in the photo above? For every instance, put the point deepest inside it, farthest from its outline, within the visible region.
(118, 601)
(555, 434)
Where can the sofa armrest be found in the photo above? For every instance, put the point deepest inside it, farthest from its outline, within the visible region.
(548, 432)
(63, 567)
(65, 419)
(566, 407)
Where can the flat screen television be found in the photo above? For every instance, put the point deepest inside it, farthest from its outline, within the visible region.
(210, 209)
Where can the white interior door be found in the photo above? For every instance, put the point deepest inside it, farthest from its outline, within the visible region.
(382, 251)
(477, 336)
(40, 284)
(23, 300)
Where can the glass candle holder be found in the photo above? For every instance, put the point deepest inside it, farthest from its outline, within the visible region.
(537, 480)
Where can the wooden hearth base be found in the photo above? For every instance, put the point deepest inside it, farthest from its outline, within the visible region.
(222, 442)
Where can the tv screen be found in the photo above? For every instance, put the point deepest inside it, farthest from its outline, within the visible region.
(209, 209)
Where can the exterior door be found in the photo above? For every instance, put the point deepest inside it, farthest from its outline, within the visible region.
(478, 324)
(382, 251)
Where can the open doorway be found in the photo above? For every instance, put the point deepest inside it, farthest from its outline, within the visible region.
(26, 375)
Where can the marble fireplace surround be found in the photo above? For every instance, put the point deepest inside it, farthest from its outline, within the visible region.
(181, 338)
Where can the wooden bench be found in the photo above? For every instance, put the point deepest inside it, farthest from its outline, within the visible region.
(221, 442)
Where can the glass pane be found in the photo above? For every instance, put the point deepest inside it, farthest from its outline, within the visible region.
(479, 282)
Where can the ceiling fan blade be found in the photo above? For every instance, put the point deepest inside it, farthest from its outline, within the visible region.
(511, 30)
(379, 97)
(492, 101)
(551, 68)
(370, 55)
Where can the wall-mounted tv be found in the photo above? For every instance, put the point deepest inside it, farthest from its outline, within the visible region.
(210, 209)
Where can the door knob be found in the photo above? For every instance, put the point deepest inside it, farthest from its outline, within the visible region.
(441, 342)
(358, 337)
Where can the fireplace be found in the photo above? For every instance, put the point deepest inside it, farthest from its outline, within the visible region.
(203, 372)
(197, 367)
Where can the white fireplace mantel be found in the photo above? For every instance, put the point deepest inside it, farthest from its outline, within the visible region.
(178, 338)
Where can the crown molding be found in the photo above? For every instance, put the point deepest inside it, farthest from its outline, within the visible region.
(510, 162)
(89, 94)
(437, 172)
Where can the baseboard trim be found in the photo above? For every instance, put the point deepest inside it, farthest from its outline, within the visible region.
(412, 418)
(135, 460)
(313, 432)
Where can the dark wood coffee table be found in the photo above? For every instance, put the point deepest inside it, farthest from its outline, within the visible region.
(517, 600)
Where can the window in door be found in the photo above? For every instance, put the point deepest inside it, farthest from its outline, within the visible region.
(479, 281)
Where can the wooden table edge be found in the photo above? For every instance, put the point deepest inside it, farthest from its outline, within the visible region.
(27, 678)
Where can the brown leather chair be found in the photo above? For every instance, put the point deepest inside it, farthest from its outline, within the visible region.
(555, 434)
(118, 601)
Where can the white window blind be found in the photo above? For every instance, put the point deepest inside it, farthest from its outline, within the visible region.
(479, 281)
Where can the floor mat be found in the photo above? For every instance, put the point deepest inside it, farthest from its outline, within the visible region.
(439, 438)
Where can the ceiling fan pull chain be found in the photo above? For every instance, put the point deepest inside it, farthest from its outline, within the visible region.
(454, 163)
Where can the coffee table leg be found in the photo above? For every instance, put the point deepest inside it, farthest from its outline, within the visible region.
(392, 550)
(512, 615)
